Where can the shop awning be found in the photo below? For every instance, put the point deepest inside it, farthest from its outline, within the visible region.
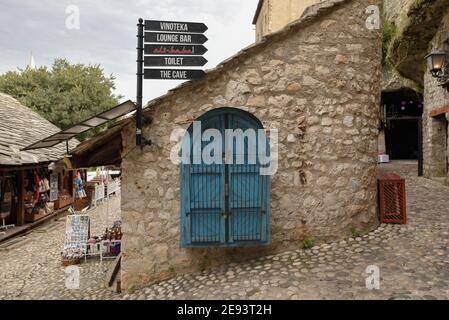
(84, 126)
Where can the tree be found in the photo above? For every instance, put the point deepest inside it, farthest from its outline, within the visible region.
(65, 94)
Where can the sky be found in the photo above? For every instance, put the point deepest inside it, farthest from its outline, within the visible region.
(107, 33)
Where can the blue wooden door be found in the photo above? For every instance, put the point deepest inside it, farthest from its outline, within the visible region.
(248, 189)
(202, 189)
(225, 204)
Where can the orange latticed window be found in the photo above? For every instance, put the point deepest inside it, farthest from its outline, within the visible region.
(392, 198)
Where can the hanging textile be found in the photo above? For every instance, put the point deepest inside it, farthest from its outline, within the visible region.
(79, 186)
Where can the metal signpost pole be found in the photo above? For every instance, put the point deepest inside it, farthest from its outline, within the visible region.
(140, 36)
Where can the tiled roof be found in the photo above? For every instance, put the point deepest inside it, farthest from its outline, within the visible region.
(20, 127)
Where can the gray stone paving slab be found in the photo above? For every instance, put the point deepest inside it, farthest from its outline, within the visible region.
(413, 261)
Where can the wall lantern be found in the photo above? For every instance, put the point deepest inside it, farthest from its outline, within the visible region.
(438, 63)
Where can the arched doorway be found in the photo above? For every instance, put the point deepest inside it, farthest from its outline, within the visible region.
(401, 130)
(225, 200)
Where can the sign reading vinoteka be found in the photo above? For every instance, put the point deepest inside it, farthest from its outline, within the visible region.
(175, 26)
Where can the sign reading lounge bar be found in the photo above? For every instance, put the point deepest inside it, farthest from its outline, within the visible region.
(192, 38)
(175, 26)
(175, 61)
(174, 74)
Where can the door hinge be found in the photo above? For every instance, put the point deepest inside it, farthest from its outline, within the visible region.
(225, 215)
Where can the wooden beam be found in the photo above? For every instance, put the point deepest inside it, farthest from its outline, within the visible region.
(439, 111)
(113, 271)
(108, 153)
(21, 198)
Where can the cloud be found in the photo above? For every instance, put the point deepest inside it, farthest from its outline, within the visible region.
(107, 33)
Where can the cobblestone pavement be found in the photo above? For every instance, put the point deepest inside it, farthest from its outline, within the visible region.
(31, 269)
(413, 262)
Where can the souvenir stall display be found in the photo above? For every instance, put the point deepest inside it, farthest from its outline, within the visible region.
(7, 196)
(108, 244)
(82, 201)
(65, 189)
(76, 238)
(37, 198)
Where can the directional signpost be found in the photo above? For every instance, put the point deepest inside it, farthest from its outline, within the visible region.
(175, 26)
(173, 49)
(174, 74)
(175, 38)
(168, 45)
(174, 61)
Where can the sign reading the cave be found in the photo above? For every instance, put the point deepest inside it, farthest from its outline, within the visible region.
(173, 44)
(174, 74)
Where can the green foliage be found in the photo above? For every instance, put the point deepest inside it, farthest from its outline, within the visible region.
(355, 233)
(307, 243)
(388, 32)
(65, 94)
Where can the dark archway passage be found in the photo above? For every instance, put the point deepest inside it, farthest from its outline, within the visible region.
(401, 118)
(402, 139)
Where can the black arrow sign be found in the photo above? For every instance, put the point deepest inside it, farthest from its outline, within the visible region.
(191, 50)
(171, 74)
(175, 26)
(175, 61)
(182, 38)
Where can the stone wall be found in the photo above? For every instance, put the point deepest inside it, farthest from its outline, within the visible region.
(319, 84)
(435, 129)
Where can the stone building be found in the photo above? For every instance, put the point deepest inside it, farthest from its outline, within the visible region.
(317, 81)
(273, 15)
(436, 115)
(422, 26)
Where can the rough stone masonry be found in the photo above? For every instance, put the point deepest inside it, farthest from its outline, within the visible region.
(318, 82)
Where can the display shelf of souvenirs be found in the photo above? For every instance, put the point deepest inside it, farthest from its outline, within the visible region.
(108, 244)
(112, 238)
(72, 256)
(64, 199)
(36, 210)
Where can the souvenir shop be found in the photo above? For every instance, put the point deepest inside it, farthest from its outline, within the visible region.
(30, 194)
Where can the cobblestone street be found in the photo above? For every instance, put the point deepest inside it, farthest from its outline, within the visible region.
(413, 262)
(31, 269)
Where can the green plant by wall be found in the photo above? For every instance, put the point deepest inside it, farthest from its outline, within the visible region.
(355, 233)
(307, 243)
(388, 33)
